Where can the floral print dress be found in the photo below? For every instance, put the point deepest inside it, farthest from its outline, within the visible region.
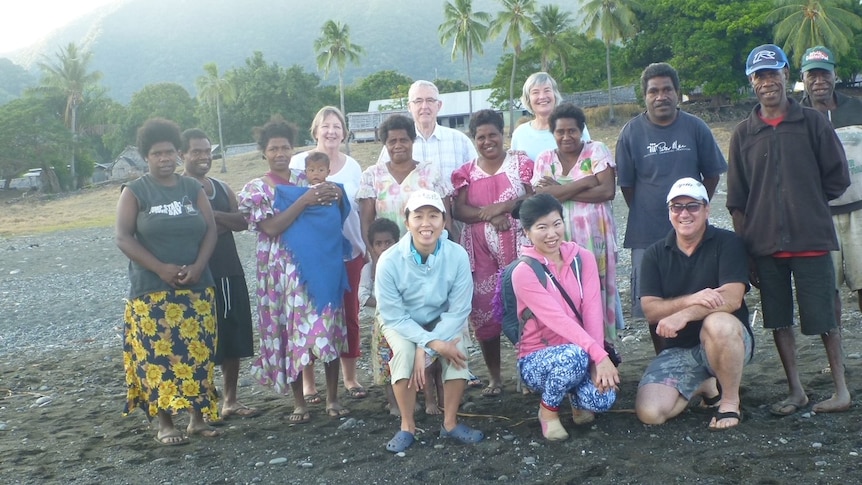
(291, 332)
(390, 196)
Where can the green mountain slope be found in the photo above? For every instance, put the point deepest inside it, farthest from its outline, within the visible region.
(140, 42)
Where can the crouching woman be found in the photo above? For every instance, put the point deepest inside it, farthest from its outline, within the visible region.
(424, 289)
(561, 351)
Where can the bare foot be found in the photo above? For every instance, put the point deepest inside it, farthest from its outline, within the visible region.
(433, 409)
(393, 410)
(834, 404)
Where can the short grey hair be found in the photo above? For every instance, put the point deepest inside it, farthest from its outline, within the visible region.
(535, 79)
(421, 84)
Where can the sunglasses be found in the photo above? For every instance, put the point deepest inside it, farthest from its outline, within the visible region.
(691, 207)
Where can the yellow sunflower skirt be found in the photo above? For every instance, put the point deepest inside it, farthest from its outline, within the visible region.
(170, 340)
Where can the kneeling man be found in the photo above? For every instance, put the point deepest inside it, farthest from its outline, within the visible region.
(424, 292)
(692, 288)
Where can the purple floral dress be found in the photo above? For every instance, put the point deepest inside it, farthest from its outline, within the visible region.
(291, 331)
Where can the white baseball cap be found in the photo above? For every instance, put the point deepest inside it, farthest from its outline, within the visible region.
(423, 197)
(688, 187)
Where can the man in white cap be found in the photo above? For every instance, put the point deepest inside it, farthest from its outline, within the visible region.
(785, 163)
(692, 284)
(845, 113)
(424, 292)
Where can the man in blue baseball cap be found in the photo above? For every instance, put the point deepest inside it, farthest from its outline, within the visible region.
(785, 163)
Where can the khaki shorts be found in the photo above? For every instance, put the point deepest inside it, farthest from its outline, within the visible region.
(404, 353)
(848, 259)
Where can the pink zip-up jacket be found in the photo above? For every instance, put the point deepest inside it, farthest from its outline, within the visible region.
(554, 323)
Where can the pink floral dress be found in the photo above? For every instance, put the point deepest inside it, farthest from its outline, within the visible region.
(591, 225)
(490, 250)
(291, 331)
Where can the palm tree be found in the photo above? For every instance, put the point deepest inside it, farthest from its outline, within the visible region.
(516, 19)
(615, 20)
(213, 89)
(550, 23)
(805, 23)
(334, 47)
(69, 76)
(468, 30)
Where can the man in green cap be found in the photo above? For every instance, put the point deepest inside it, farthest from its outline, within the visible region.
(845, 113)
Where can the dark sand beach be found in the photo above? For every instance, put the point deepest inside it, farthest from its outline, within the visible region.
(62, 393)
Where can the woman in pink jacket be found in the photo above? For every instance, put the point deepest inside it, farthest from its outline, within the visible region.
(561, 351)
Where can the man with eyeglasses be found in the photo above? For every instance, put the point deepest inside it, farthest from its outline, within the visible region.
(692, 287)
(786, 162)
(447, 147)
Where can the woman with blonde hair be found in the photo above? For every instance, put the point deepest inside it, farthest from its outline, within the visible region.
(329, 130)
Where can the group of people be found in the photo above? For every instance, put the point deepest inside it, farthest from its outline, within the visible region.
(424, 234)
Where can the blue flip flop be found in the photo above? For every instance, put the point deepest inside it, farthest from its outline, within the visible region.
(400, 442)
(463, 433)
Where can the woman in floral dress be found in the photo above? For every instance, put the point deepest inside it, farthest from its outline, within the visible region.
(487, 189)
(292, 330)
(581, 175)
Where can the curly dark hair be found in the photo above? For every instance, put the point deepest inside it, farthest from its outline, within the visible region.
(157, 130)
(192, 134)
(568, 111)
(485, 117)
(276, 127)
(382, 225)
(659, 69)
(396, 122)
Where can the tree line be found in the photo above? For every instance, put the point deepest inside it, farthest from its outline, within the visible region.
(68, 122)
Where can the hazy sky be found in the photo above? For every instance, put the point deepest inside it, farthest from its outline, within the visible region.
(23, 22)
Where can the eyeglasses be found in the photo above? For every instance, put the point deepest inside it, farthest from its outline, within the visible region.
(691, 207)
(421, 101)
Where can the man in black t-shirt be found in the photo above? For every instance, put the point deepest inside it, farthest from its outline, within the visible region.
(692, 285)
(233, 309)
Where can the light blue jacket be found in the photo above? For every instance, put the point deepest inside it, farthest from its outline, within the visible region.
(410, 295)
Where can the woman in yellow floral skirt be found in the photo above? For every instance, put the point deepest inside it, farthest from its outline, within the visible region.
(166, 228)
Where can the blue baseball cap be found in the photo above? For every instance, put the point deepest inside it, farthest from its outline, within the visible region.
(767, 56)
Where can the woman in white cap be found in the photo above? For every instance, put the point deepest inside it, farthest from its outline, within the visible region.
(423, 289)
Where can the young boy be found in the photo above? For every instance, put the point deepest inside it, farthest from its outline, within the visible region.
(316, 168)
(382, 233)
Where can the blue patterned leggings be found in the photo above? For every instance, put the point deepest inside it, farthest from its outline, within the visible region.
(560, 370)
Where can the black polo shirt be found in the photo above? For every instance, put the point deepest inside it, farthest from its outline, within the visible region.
(667, 272)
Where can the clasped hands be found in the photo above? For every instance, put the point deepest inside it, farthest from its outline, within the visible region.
(496, 215)
(180, 275)
(446, 350)
(669, 326)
